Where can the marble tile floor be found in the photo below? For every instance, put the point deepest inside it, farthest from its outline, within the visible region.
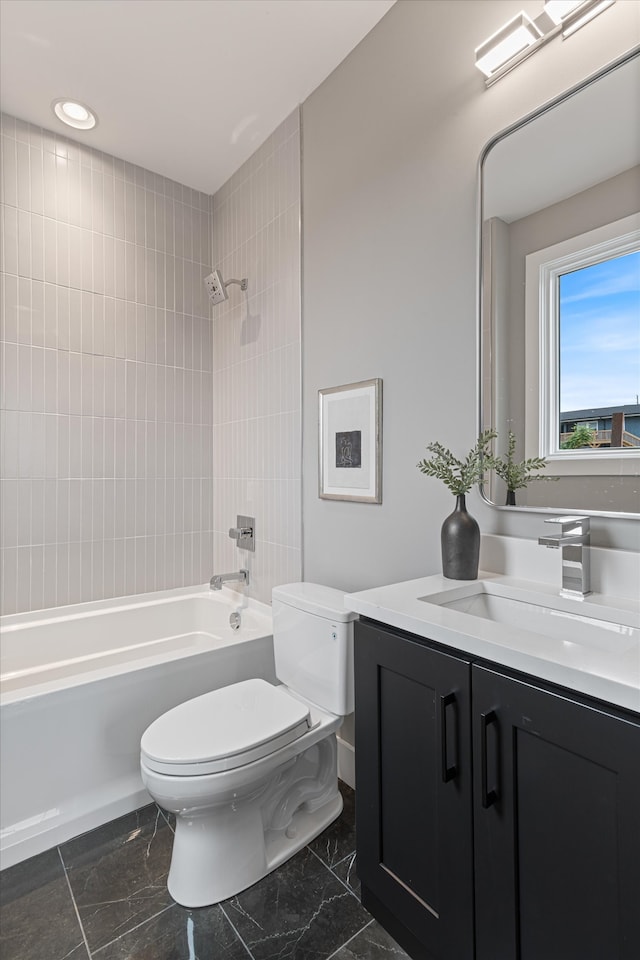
(103, 896)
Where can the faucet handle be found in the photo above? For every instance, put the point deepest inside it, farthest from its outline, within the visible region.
(571, 525)
(244, 533)
(236, 533)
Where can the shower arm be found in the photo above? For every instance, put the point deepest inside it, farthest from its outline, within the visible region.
(241, 283)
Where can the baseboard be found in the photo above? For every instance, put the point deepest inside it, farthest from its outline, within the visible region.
(346, 762)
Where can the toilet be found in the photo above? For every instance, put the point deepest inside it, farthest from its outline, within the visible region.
(250, 770)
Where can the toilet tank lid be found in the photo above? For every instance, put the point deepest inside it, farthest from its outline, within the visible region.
(314, 598)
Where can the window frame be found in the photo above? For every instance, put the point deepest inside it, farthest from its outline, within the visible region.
(542, 374)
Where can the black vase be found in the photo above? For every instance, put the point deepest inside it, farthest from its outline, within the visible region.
(460, 540)
(511, 498)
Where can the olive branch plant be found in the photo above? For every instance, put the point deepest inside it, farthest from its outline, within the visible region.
(459, 475)
(517, 475)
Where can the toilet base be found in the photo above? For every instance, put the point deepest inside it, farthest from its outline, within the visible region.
(219, 852)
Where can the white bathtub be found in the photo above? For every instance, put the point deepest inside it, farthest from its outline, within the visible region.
(78, 686)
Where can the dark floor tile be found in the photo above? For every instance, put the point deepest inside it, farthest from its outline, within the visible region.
(179, 934)
(338, 840)
(169, 817)
(300, 910)
(118, 874)
(38, 918)
(347, 872)
(372, 943)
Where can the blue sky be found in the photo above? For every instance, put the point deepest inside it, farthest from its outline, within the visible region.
(600, 334)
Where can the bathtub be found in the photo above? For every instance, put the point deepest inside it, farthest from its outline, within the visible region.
(79, 685)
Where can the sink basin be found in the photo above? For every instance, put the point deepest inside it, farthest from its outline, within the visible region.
(589, 625)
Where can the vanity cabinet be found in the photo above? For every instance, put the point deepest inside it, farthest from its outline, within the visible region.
(497, 819)
(414, 792)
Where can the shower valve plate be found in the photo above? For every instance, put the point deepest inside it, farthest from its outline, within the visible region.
(244, 541)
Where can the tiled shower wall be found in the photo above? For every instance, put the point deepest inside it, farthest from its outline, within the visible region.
(107, 376)
(256, 337)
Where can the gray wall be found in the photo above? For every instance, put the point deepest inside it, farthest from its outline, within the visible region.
(391, 142)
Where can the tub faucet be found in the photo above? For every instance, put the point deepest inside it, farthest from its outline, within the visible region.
(219, 578)
(574, 540)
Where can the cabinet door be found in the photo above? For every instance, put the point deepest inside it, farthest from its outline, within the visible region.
(557, 826)
(413, 796)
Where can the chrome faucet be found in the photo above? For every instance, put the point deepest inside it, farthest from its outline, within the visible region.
(574, 540)
(219, 578)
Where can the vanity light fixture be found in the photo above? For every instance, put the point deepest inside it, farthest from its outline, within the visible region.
(522, 36)
(74, 113)
(511, 40)
(559, 9)
(583, 13)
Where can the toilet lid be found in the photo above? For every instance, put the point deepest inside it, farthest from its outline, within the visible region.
(224, 729)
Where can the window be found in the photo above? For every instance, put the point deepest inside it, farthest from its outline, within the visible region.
(583, 349)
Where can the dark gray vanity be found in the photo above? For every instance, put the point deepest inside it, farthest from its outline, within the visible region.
(498, 815)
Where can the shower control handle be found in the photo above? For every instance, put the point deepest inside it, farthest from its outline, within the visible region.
(236, 532)
(244, 533)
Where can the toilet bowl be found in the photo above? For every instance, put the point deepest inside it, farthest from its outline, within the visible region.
(250, 770)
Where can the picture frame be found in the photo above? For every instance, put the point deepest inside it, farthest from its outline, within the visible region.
(350, 442)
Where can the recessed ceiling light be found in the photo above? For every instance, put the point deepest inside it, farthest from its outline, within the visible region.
(74, 114)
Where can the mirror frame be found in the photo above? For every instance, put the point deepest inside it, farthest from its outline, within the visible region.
(480, 265)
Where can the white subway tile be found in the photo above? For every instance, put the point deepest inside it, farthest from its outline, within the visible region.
(69, 510)
(9, 513)
(49, 585)
(24, 513)
(62, 573)
(62, 453)
(10, 379)
(37, 403)
(36, 237)
(74, 592)
(10, 239)
(50, 445)
(36, 599)
(86, 571)
(50, 319)
(9, 172)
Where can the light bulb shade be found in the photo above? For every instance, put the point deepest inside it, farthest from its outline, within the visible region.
(584, 14)
(74, 113)
(518, 34)
(559, 9)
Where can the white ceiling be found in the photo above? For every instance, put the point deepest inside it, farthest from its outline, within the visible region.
(186, 88)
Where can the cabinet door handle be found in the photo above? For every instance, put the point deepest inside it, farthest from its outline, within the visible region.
(488, 796)
(448, 770)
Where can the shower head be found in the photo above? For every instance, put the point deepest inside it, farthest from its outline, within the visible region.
(217, 288)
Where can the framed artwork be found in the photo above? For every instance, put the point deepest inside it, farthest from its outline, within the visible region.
(350, 455)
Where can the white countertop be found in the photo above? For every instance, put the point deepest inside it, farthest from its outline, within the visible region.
(609, 671)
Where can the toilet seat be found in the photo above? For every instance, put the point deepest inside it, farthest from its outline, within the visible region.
(224, 729)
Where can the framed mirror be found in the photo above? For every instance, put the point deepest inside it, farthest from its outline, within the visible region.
(559, 309)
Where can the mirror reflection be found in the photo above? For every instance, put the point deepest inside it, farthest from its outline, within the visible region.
(560, 296)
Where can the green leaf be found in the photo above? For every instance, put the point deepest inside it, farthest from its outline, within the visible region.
(459, 475)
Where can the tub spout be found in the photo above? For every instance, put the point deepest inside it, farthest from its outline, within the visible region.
(219, 578)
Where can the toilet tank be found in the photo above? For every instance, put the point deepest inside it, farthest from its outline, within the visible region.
(313, 644)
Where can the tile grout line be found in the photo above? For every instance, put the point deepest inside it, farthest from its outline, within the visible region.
(347, 942)
(132, 929)
(352, 857)
(333, 874)
(73, 901)
(232, 925)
